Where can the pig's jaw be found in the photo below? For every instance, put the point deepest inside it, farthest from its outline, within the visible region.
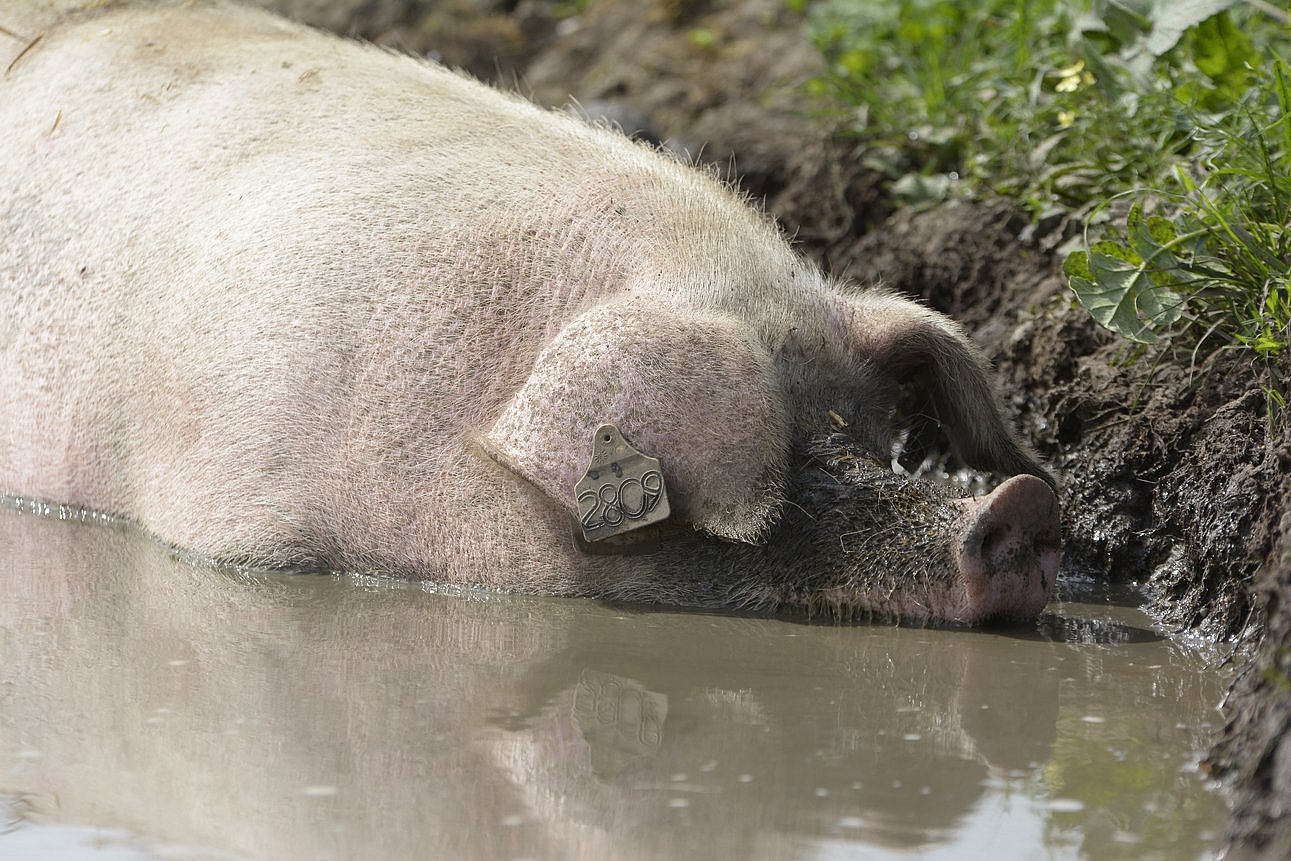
(944, 604)
(902, 606)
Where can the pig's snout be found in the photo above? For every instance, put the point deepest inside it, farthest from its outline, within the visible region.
(1009, 550)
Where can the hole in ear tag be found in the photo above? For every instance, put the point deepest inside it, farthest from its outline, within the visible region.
(622, 489)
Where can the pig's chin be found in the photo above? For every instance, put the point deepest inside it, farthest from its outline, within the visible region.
(946, 607)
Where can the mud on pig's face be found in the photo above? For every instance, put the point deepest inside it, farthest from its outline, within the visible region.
(858, 540)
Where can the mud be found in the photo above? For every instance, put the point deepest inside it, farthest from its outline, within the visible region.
(1173, 473)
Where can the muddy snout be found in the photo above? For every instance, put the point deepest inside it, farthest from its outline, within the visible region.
(1009, 549)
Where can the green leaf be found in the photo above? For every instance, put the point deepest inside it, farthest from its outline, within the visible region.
(1076, 265)
(1162, 230)
(1264, 344)
(855, 63)
(1108, 70)
(1257, 248)
(1150, 240)
(703, 38)
(1222, 53)
(1113, 249)
(1128, 20)
(1171, 18)
(1123, 298)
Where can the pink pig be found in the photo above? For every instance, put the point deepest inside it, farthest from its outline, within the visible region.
(287, 300)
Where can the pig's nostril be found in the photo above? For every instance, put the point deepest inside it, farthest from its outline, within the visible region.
(994, 543)
(1007, 547)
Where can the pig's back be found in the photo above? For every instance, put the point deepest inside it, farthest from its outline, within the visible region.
(302, 266)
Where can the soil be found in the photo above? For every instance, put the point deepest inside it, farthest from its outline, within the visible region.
(1174, 474)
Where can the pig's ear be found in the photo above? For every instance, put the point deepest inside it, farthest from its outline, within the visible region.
(917, 345)
(697, 392)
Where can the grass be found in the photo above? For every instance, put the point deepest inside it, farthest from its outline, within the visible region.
(1164, 128)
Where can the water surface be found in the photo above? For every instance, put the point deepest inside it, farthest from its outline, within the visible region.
(153, 709)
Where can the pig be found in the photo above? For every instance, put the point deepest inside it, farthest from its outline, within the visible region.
(286, 300)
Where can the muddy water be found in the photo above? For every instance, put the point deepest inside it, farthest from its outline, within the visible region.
(154, 709)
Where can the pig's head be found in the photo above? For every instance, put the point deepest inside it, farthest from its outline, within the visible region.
(739, 410)
(859, 539)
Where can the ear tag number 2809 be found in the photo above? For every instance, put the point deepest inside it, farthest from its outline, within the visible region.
(622, 490)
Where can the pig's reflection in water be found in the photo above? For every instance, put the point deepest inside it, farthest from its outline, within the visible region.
(285, 716)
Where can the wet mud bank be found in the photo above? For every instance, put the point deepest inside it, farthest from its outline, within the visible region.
(1174, 475)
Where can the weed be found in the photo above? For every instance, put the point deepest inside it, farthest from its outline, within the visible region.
(996, 96)
(1214, 254)
(1162, 126)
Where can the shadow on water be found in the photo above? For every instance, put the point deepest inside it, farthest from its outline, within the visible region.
(1055, 628)
(200, 713)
